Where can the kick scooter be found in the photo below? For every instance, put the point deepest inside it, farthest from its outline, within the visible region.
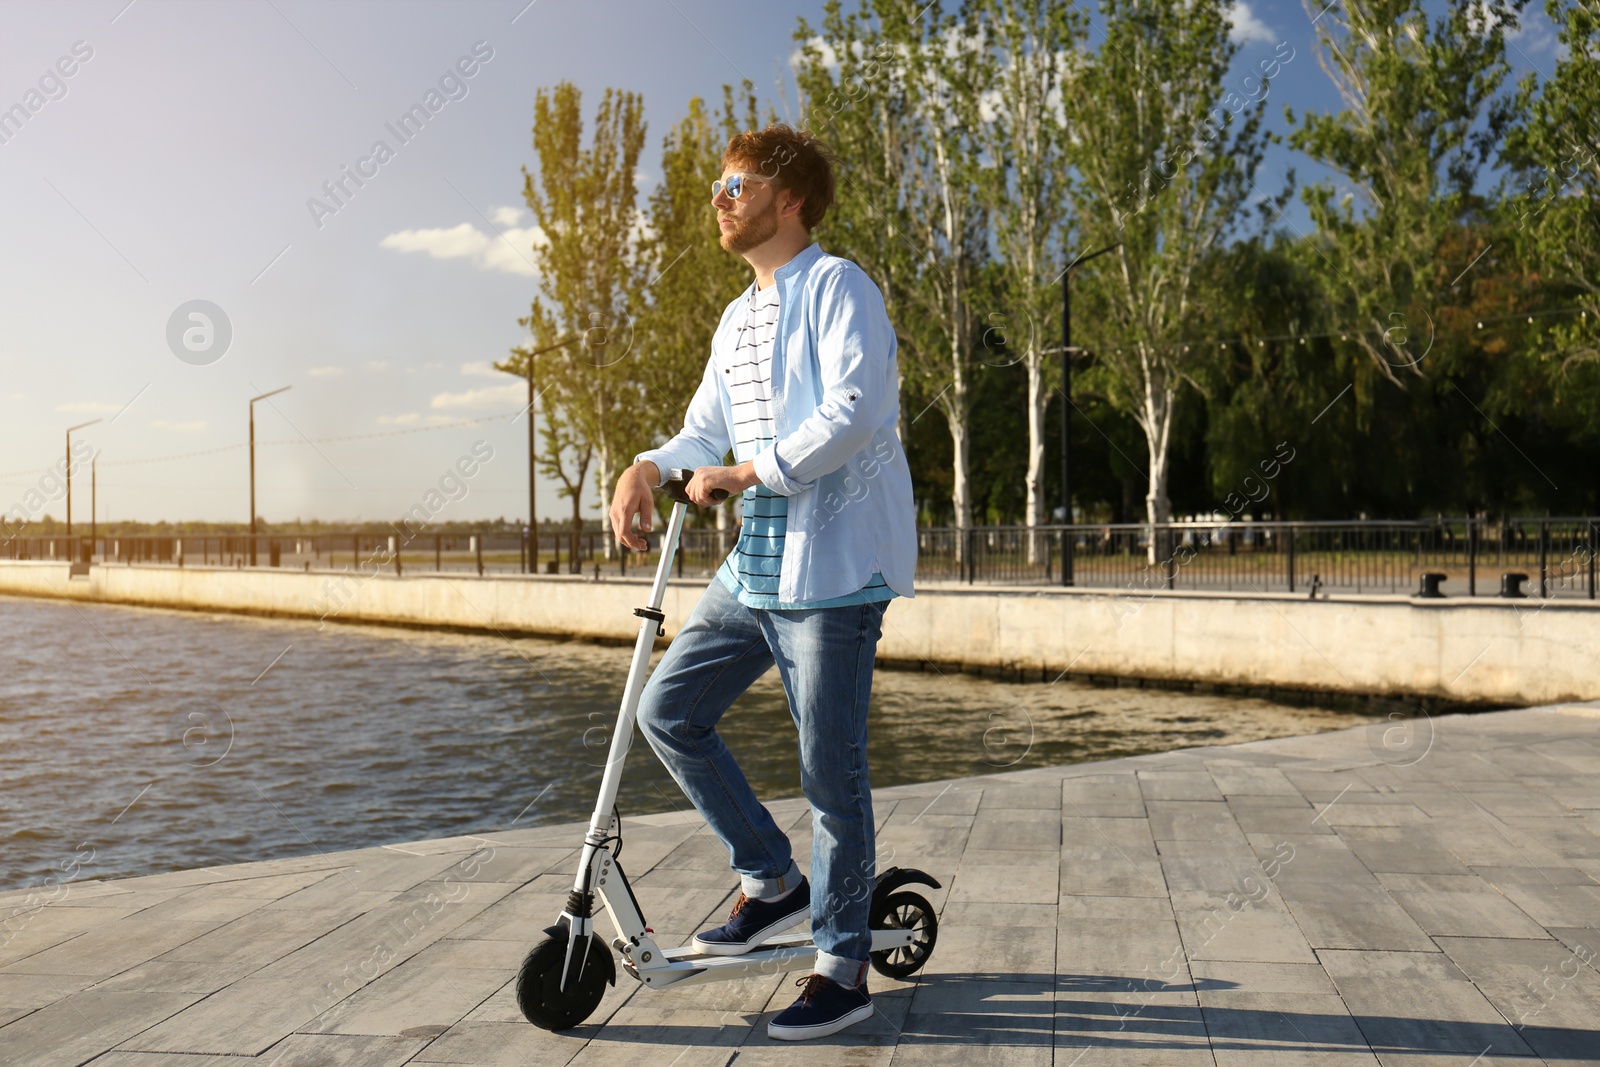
(565, 975)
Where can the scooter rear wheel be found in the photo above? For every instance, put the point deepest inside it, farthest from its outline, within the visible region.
(903, 910)
(539, 993)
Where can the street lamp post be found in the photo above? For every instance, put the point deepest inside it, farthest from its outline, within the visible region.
(533, 480)
(94, 501)
(253, 400)
(80, 426)
(1066, 406)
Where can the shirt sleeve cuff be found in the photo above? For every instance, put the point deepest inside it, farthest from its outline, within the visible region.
(662, 460)
(770, 470)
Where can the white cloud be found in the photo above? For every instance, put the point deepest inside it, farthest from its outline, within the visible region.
(506, 215)
(507, 252)
(325, 372)
(398, 420)
(179, 427)
(88, 407)
(439, 420)
(1535, 33)
(1244, 26)
(489, 398)
(481, 368)
(375, 364)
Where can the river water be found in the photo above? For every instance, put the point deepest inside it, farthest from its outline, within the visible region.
(134, 741)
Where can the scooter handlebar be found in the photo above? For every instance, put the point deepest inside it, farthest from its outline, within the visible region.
(678, 484)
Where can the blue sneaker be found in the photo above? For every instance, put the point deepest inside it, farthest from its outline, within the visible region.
(825, 1007)
(753, 921)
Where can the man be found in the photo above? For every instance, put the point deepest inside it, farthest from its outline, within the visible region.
(802, 388)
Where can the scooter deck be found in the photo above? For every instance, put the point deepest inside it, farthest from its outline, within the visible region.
(785, 952)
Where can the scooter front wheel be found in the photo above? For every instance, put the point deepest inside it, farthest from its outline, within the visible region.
(905, 911)
(539, 993)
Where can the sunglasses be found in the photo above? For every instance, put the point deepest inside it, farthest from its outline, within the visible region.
(733, 185)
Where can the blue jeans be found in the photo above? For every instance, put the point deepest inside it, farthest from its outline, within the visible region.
(824, 657)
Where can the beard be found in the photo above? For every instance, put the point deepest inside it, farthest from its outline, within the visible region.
(752, 231)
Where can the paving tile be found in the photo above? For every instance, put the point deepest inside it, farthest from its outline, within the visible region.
(505, 1044)
(987, 1011)
(1018, 828)
(1260, 977)
(1546, 989)
(1217, 928)
(1407, 850)
(1233, 780)
(968, 914)
(1103, 796)
(114, 1058)
(1498, 876)
(1110, 870)
(245, 1019)
(30, 931)
(1556, 905)
(1405, 1015)
(108, 949)
(1486, 914)
(1178, 785)
(1292, 860)
(1291, 1027)
(1195, 820)
(1006, 884)
(1043, 797)
(325, 1050)
(1277, 818)
(82, 1025)
(1132, 835)
(1354, 916)
(1190, 865)
(177, 976)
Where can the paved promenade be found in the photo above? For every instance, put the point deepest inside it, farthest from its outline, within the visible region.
(1407, 894)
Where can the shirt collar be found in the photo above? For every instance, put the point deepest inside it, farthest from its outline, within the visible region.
(802, 260)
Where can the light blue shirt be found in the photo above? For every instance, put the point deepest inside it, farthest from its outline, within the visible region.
(836, 453)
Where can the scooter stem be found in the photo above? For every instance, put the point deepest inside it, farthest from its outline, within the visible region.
(622, 737)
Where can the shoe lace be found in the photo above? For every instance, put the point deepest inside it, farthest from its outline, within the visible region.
(810, 984)
(738, 905)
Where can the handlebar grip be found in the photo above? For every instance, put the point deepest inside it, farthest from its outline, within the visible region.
(678, 482)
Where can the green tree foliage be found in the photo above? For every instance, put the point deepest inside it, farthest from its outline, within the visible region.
(591, 273)
(1165, 160)
(901, 85)
(1555, 152)
(1024, 135)
(1422, 112)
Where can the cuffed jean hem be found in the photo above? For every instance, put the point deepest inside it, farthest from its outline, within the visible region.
(765, 888)
(847, 972)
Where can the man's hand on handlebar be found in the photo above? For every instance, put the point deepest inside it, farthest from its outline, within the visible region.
(634, 498)
(730, 480)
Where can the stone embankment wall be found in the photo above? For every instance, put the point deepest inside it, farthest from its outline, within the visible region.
(1472, 651)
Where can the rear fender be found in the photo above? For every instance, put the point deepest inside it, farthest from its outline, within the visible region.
(895, 877)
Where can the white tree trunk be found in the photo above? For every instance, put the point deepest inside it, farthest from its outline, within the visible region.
(1035, 476)
(1156, 420)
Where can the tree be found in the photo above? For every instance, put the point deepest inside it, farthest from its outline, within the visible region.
(902, 108)
(1555, 151)
(690, 278)
(590, 281)
(1166, 171)
(1422, 112)
(1036, 46)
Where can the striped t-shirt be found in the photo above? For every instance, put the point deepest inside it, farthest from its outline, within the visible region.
(750, 572)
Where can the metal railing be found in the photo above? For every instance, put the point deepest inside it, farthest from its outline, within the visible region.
(1557, 555)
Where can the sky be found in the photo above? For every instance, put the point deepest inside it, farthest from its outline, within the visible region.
(185, 158)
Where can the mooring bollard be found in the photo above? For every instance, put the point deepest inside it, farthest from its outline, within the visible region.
(1430, 586)
(1511, 585)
